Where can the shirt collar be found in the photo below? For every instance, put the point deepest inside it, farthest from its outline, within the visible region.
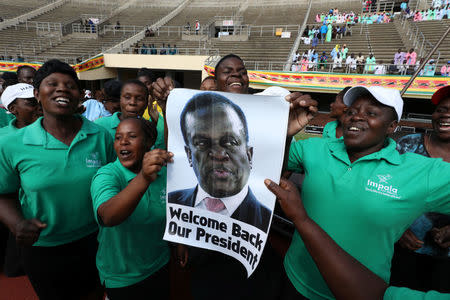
(115, 119)
(129, 175)
(231, 203)
(388, 153)
(35, 134)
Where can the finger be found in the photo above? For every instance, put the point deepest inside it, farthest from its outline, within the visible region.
(305, 103)
(286, 184)
(275, 188)
(38, 224)
(169, 83)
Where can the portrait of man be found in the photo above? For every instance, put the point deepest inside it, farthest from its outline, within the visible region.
(216, 138)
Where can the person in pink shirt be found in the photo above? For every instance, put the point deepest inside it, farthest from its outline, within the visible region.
(411, 57)
(417, 16)
(445, 70)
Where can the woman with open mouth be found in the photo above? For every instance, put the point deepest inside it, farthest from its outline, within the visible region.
(129, 202)
(361, 190)
(46, 170)
(421, 259)
(133, 103)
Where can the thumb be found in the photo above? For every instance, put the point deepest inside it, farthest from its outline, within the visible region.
(275, 188)
(38, 223)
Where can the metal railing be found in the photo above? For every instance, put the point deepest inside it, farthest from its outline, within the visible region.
(172, 51)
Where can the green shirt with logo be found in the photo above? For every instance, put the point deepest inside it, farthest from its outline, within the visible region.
(365, 206)
(133, 250)
(53, 179)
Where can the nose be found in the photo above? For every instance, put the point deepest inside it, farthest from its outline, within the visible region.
(218, 153)
(124, 141)
(357, 116)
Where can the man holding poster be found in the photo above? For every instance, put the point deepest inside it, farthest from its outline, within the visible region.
(221, 159)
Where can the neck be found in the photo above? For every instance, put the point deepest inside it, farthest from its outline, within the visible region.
(63, 128)
(438, 148)
(355, 154)
(20, 124)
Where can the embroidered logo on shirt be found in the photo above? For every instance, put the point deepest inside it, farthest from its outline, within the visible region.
(93, 161)
(382, 186)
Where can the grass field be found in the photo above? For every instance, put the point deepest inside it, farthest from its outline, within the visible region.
(302, 135)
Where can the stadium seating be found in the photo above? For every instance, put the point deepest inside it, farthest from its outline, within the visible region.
(13, 8)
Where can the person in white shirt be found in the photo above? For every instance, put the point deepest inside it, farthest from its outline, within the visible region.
(351, 62)
(337, 62)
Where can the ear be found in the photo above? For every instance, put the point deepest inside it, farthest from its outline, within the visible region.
(36, 94)
(12, 108)
(188, 154)
(250, 156)
(392, 127)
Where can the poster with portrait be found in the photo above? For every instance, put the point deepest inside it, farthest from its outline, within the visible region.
(224, 146)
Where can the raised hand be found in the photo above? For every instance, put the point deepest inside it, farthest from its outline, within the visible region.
(153, 162)
(302, 109)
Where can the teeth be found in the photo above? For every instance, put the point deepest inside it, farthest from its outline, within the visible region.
(124, 152)
(354, 129)
(236, 83)
(444, 124)
(62, 100)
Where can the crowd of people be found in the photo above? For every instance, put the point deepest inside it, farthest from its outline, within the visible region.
(82, 193)
(351, 18)
(152, 49)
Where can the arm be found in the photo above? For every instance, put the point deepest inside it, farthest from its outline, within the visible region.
(345, 276)
(118, 208)
(26, 231)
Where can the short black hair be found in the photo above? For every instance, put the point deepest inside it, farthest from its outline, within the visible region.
(112, 90)
(204, 101)
(10, 78)
(21, 68)
(136, 82)
(208, 78)
(54, 66)
(231, 55)
(149, 129)
(147, 73)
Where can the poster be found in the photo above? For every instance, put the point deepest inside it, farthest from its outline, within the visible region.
(224, 146)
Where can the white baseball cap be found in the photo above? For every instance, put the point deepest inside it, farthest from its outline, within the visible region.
(389, 97)
(19, 90)
(274, 91)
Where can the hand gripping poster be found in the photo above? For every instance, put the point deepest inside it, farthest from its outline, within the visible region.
(224, 146)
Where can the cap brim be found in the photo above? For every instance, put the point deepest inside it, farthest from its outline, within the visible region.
(440, 94)
(353, 93)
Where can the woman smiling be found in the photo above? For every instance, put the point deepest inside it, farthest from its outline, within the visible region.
(44, 191)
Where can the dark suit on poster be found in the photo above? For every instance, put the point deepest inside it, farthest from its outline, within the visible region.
(250, 211)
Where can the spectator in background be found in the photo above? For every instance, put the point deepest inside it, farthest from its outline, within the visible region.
(430, 68)
(162, 50)
(197, 27)
(411, 57)
(323, 32)
(337, 61)
(445, 69)
(380, 69)
(403, 6)
(370, 63)
(360, 62)
(399, 57)
(351, 63)
(335, 51)
(392, 68)
(25, 74)
(144, 49)
(329, 33)
(295, 57)
(315, 41)
(111, 90)
(208, 84)
(344, 51)
(323, 61)
(117, 25)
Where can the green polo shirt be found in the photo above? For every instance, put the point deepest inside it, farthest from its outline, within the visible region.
(10, 128)
(5, 117)
(329, 131)
(400, 293)
(133, 250)
(110, 123)
(365, 206)
(54, 179)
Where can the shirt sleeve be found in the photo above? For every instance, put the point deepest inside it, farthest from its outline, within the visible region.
(9, 176)
(295, 162)
(438, 199)
(400, 293)
(109, 146)
(105, 185)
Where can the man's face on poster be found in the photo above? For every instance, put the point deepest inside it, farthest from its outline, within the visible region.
(217, 150)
